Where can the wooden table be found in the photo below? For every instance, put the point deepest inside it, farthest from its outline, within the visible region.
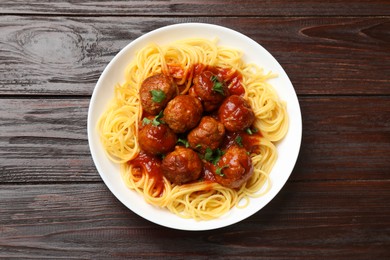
(336, 204)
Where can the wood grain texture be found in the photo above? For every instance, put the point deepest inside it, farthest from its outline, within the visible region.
(66, 55)
(44, 137)
(45, 140)
(74, 221)
(335, 205)
(199, 7)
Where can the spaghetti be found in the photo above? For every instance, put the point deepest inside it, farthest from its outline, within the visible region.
(119, 126)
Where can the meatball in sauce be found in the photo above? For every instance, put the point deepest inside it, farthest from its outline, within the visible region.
(156, 140)
(235, 167)
(182, 165)
(208, 134)
(155, 92)
(210, 89)
(183, 113)
(236, 114)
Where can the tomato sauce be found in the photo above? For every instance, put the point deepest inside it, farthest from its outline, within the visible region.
(249, 141)
(176, 70)
(235, 86)
(232, 78)
(208, 172)
(150, 165)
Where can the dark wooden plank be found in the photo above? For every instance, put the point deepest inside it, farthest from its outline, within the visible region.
(195, 8)
(65, 55)
(339, 220)
(344, 138)
(45, 140)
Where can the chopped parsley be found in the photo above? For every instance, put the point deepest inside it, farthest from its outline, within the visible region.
(239, 140)
(219, 170)
(184, 142)
(156, 120)
(157, 95)
(208, 156)
(146, 121)
(251, 131)
(213, 156)
(218, 86)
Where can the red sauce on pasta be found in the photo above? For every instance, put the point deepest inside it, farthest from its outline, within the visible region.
(152, 166)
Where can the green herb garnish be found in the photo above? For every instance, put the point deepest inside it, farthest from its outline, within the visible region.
(217, 155)
(208, 156)
(213, 156)
(251, 131)
(157, 95)
(184, 142)
(198, 146)
(219, 170)
(239, 140)
(157, 120)
(146, 121)
(218, 86)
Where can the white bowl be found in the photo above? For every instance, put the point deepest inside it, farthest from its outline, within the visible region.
(288, 148)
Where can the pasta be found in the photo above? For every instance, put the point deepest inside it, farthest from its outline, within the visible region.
(119, 126)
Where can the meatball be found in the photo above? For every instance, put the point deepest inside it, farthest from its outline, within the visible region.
(156, 140)
(208, 134)
(210, 89)
(182, 165)
(235, 168)
(183, 113)
(236, 114)
(155, 93)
